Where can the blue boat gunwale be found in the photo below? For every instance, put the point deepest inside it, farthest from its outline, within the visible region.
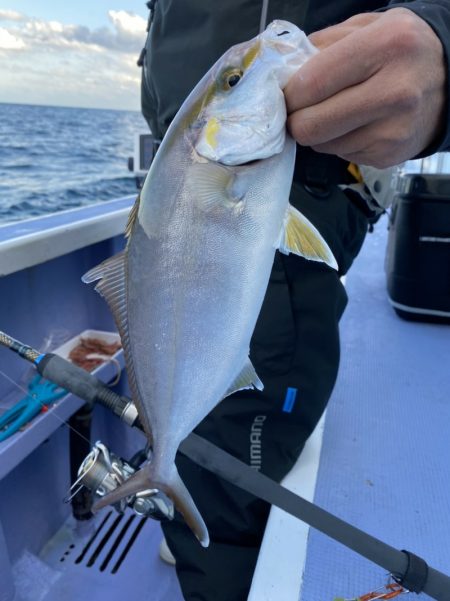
(36, 240)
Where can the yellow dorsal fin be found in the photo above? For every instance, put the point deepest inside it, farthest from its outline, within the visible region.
(300, 237)
(354, 170)
(132, 216)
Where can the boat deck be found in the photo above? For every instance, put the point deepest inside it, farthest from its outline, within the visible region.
(384, 459)
(379, 461)
(111, 557)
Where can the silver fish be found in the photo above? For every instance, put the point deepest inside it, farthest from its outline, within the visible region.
(187, 290)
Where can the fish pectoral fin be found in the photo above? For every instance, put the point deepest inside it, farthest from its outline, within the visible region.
(248, 378)
(211, 185)
(300, 237)
(147, 479)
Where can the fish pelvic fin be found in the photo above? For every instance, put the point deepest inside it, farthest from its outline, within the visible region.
(146, 479)
(300, 237)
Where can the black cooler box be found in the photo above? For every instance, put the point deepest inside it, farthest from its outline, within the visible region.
(418, 253)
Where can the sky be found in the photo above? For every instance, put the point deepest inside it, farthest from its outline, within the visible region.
(81, 53)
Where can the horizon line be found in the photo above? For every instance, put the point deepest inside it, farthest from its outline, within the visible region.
(66, 106)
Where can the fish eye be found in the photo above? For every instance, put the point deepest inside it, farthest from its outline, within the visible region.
(232, 78)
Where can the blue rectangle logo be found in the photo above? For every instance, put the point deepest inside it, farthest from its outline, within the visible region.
(289, 401)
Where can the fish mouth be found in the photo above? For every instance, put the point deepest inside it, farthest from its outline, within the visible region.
(250, 163)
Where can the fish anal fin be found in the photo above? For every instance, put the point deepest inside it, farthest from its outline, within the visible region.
(247, 378)
(299, 236)
(112, 286)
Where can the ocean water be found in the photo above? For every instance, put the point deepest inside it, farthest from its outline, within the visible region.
(56, 158)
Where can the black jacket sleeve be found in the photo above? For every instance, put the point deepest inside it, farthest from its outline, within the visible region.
(437, 14)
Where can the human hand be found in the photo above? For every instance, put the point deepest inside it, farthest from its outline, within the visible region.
(375, 94)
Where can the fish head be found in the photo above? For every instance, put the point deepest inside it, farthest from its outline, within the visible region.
(242, 112)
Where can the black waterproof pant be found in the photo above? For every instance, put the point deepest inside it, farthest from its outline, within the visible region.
(295, 350)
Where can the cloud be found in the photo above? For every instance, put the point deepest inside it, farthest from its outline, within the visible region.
(9, 41)
(50, 62)
(127, 33)
(11, 15)
(127, 22)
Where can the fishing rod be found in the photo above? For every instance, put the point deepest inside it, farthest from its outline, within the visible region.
(78, 381)
(103, 470)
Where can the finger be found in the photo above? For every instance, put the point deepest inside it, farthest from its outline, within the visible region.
(348, 62)
(374, 145)
(356, 141)
(379, 160)
(330, 35)
(326, 37)
(347, 111)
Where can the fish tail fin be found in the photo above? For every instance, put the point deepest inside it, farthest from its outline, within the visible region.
(174, 487)
(184, 503)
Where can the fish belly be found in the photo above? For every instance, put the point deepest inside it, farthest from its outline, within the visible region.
(189, 332)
